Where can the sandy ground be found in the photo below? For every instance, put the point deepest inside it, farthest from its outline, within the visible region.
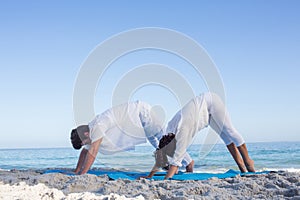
(32, 184)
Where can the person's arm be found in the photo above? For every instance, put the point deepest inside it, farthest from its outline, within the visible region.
(151, 174)
(153, 171)
(90, 156)
(81, 160)
(172, 170)
(183, 139)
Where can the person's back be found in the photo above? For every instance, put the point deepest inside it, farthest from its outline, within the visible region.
(120, 127)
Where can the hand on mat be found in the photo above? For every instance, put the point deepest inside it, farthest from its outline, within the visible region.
(146, 177)
(172, 170)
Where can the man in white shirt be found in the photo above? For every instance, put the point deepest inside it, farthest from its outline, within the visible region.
(198, 113)
(118, 129)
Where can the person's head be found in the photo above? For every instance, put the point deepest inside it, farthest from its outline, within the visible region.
(80, 136)
(166, 147)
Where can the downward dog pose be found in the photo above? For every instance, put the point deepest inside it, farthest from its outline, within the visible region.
(198, 113)
(118, 129)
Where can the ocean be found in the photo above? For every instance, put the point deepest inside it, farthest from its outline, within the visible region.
(267, 156)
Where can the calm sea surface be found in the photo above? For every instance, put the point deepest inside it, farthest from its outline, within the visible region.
(267, 156)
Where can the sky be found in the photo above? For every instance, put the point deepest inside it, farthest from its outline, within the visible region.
(255, 46)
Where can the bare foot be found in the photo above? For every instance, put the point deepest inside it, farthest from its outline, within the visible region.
(190, 167)
(242, 168)
(250, 166)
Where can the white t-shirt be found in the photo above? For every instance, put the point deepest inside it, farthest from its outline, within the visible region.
(124, 126)
(185, 124)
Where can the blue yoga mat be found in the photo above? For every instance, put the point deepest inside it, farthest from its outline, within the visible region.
(160, 175)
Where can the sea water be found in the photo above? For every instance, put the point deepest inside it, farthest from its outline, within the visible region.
(267, 156)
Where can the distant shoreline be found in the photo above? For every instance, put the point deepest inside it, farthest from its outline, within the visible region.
(218, 143)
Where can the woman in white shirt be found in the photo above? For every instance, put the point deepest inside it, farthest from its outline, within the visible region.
(198, 113)
(118, 129)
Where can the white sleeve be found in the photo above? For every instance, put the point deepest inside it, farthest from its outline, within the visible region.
(154, 139)
(183, 139)
(153, 133)
(153, 128)
(100, 125)
(98, 132)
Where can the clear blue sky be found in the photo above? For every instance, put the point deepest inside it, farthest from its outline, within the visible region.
(255, 45)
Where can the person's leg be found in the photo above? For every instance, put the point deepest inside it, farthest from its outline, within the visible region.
(237, 157)
(230, 146)
(188, 162)
(190, 166)
(249, 163)
(220, 116)
(222, 120)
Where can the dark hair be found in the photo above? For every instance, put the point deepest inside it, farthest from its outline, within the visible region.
(165, 140)
(75, 139)
(166, 143)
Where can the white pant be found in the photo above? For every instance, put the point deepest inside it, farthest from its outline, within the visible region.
(220, 122)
